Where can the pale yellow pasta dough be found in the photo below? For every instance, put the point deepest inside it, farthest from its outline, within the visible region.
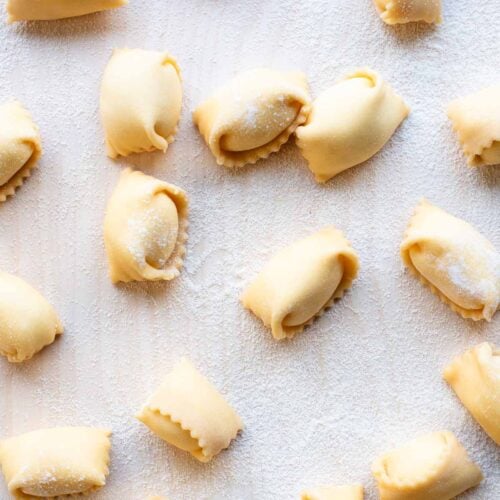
(475, 378)
(301, 281)
(28, 322)
(57, 462)
(141, 97)
(348, 492)
(33, 10)
(20, 147)
(458, 263)
(432, 467)
(145, 229)
(476, 120)
(253, 115)
(349, 123)
(409, 11)
(188, 412)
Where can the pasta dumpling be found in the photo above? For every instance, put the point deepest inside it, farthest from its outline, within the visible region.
(145, 229)
(253, 115)
(141, 97)
(20, 147)
(28, 322)
(349, 492)
(34, 10)
(188, 412)
(458, 263)
(301, 281)
(432, 467)
(349, 123)
(475, 378)
(57, 462)
(409, 11)
(476, 120)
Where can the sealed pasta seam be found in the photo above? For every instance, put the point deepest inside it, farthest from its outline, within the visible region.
(263, 152)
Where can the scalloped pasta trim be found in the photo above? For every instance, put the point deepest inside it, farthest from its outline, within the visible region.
(476, 121)
(409, 11)
(227, 110)
(193, 405)
(440, 469)
(487, 311)
(17, 127)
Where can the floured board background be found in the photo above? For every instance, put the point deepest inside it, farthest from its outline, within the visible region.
(367, 376)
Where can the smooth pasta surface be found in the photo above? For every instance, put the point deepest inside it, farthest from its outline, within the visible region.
(349, 123)
(458, 263)
(301, 281)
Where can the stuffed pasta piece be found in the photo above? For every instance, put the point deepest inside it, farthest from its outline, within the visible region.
(458, 263)
(141, 97)
(145, 229)
(301, 281)
(35, 10)
(20, 147)
(476, 120)
(349, 123)
(28, 322)
(475, 378)
(253, 115)
(431, 467)
(59, 462)
(349, 492)
(188, 412)
(409, 11)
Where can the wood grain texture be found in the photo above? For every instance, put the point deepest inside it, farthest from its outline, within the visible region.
(367, 375)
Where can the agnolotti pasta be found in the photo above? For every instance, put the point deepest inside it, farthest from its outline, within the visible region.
(458, 263)
(348, 492)
(34, 10)
(476, 120)
(301, 281)
(475, 378)
(141, 98)
(28, 322)
(349, 123)
(431, 467)
(188, 412)
(253, 115)
(20, 147)
(145, 229)
(409, 11)
(58, 462)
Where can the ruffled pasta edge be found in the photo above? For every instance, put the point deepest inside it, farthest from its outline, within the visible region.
(386, 13)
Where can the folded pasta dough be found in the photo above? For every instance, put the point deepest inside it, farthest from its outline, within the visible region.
(349, 123)
(458, 263)
(253, 115)
(188, 412)
(301, 281)
(28, 322)
(34, 10)
(145, 229)
(432, 467)
(141, 98)
(475, 378)
(57, 462)
(476, 120)
(349, 492)
(20, 147)
(409, 11)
